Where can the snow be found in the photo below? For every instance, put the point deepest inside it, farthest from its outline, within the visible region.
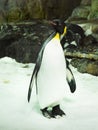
(16, 113)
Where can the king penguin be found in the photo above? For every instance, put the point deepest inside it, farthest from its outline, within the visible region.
(49, 74)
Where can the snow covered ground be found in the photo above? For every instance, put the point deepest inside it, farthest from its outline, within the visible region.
(16, 113)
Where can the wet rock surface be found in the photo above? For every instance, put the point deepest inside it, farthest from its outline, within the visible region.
(20, 10)
(22, 41)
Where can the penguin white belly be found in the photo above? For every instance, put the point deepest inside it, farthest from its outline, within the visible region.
(51, 79)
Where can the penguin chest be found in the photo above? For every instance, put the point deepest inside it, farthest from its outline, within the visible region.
(53, 66)
(53, 56)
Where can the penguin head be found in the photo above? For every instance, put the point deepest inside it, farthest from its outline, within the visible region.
(59, 26)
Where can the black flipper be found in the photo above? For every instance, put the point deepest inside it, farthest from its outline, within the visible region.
(30, 86)
(70, 78)
(37, 65)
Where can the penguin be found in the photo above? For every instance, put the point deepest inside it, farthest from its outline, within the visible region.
(74, 33)
(49, 74)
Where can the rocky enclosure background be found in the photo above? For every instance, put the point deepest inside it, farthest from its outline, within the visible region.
(17, 10)
(20, 10)
(24, 27)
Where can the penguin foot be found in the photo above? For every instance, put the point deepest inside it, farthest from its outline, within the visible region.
(47, 113)
(57, 112)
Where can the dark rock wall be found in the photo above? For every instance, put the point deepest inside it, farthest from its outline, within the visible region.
(19, 10)
(59, 8)
(94, 9)
(22, 41)
(87, 10)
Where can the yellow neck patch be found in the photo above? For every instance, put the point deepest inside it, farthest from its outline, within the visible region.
(57, 36)
(65, 30)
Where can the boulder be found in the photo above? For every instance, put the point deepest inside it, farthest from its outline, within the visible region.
(22, 41)
(86, 66)
(94, 10)
(22, 10)
(86, 2)
(59, 8)
(81, 12)
(35, 9)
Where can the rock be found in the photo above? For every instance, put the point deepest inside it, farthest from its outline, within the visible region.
(59, 8)
(86, 2)
(17, 10)
(89, 40)
(81, 12)
(94, 10)
(95, 28)
(87, 10)
(92, 68)
(21, 10)
(85, 58)
(2, 16)
(86, 66)
(22, 41)
(35, 9)
(23, 50)
(14, 15)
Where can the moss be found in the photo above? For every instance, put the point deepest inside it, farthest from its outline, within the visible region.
(94, 5)
(93, 15)
(14, 15)
(2, 16)
(94, 10)
(35, 9)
